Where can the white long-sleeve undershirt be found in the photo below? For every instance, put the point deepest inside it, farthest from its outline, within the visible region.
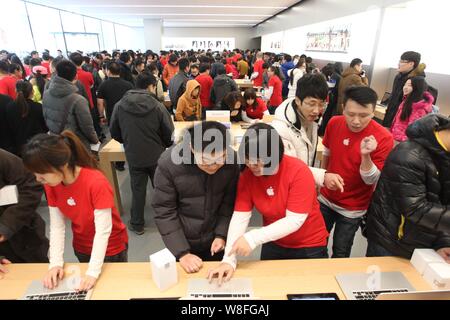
(103, 228)
(276, 230)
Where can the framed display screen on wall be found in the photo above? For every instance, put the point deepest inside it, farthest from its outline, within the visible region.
(198, 43)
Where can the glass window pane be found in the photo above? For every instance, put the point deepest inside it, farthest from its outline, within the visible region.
(72, 22)
(46, 28)
(108, 36)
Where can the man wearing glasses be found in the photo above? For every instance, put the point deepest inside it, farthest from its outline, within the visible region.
(195, 190)
(356, 147)
(295, 121)
(409, 61)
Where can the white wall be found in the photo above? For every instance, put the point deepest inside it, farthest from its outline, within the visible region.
(153, 32)
(243, 36)
(314, 11)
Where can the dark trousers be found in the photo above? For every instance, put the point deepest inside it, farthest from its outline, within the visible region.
(120, 257)
(96, 121)
(376, 250)
(272, 251)
(344, 231)
(139, 179)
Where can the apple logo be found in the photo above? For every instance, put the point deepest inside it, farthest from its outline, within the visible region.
(71, 202)
(346, 142)
(270, 192)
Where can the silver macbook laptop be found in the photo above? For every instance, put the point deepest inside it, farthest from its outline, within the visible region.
(236, 288)
(37, 291)
(367, 286)
(417, 295)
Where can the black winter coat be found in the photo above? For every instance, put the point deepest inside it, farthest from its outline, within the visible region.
(410, 207)
(22, 226)
(192, 207)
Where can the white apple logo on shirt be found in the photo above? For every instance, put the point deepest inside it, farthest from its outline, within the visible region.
(71, 202)
(270, 192)
(346, 142)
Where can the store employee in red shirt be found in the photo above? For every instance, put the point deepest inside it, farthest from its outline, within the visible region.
(274, 94)
(76, 191)
(206, 83)
(257, 74)
(86, 78)
(255, 107)
(356, 148)
(282, 189)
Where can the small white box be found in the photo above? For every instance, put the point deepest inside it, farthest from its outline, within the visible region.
(164, 269)
(9, 195)
(437, 275)
(421, 258)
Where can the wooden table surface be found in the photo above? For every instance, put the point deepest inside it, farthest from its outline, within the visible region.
(270, 279)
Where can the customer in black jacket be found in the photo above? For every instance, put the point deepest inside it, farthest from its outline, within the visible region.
(409, 61)
(5, 135)
(125, 62)
(25, 117)
(195, 190)
(410, 207)
(22, 230)
(222, 85)
(144, 126)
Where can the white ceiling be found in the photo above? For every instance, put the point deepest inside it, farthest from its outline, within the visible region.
(176, 13)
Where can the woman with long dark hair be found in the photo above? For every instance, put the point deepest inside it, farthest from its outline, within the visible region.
(24, 117)
(417, 103)
(76, 190)
(295, 75)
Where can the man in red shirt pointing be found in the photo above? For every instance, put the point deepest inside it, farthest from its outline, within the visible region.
(356, 147)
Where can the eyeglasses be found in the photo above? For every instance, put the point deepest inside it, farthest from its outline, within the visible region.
(404, 61)
(320, 105)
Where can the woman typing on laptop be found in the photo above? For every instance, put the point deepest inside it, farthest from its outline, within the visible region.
(282, 188)
(77, 191)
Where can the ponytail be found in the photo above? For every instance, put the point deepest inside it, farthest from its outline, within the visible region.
(80, 155)
(24, 90)
(48, 153)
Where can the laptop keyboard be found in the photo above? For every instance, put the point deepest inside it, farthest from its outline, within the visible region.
(71, 295)
(219, 295)
(372, 295)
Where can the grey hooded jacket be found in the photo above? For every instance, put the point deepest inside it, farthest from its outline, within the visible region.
(64, 108)
(143, 125)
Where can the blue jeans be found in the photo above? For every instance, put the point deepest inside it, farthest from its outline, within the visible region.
(272, 251)
(344, 231)
(376, 250)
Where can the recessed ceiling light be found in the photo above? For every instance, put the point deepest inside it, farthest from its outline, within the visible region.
(173, 6)
(185, 14)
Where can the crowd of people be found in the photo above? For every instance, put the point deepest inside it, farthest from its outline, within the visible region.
(391, 179)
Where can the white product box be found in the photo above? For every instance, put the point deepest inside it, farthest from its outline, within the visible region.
(437, 274)
(9, 195)
(164, 269)
(421, 258)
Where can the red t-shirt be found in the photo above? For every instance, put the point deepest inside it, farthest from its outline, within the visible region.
(257, 67)
(345, 160)
(77, 202)
(8, 86)
(206, 83)
(87, 80)
(163, 61)
(258, 111)
(276, 99)
(46, 65)
(291, 188)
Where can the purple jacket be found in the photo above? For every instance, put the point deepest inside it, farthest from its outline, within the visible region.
(419, 110)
